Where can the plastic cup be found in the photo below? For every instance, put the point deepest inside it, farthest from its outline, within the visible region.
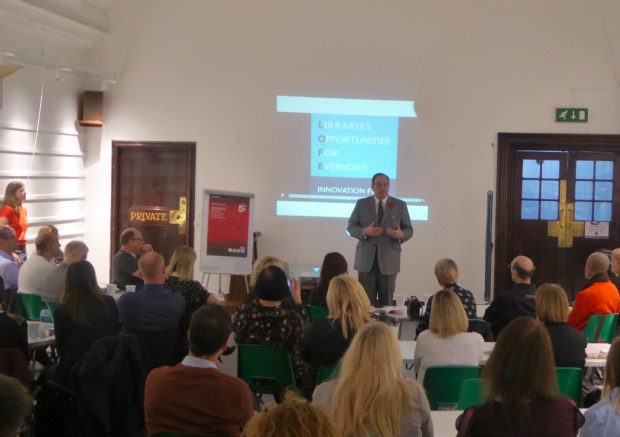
(130, 288)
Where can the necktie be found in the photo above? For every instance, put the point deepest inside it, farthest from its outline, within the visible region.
(380, 211)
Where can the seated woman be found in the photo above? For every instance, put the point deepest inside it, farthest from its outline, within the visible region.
(292, 418)
(326, 340)
(370, 396)
(522, 389)
(265, 321)
(569, 345)
(179, 280)
(334, 264)
(83, 316)
(447, 342)
(447, 274)
(603, 418)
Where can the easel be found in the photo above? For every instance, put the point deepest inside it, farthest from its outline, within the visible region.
(219, 282)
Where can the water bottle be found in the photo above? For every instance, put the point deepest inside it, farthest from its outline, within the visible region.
(45, 316)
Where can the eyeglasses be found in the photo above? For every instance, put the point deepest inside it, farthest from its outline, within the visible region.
(139, 239)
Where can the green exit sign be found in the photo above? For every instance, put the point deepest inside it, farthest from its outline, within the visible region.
(571, 115)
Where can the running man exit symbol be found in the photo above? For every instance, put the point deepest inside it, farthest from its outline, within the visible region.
(571, 115)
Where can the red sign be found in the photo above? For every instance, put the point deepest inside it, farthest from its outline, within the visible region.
(228, 224)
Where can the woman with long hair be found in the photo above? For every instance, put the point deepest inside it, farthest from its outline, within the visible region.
(370, 396)
(603, 418)
(83, 316)
(569, 345)
(326, 340)
(333, 265)
(522, 389)
(447, 342)
(180, 280)
(14, 214)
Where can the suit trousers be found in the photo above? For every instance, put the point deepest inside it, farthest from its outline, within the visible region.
(379, 287)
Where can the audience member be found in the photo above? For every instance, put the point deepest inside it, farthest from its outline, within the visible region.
(333, 265)
(125, 270)
(447, 342)
(9, 268)
(370, 396)
(265, 321)
(517, 302)
(35, 271)
(179, 280)
(13, 328)
(292, 418)
(83, 316)
(292, 301)
(193, 396)
(599, 295)
(153, 308)
(15, 406)
(14, 214)
(447, 274)
(569, 345)
(51, 228)
(55, 283)
(603, 418)
(326, 340)
(522, 389)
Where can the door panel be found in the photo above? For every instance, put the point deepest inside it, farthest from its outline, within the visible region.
(153, 178)
(549, 186)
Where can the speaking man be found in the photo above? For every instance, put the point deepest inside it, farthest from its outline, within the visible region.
(380, 223)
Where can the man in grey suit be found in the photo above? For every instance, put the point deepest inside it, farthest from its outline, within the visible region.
(381, 224)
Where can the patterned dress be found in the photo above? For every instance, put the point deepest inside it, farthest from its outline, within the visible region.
(257, 324)
(194, 294)
(466, 297)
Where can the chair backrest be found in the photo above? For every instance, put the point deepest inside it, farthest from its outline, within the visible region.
(31, 305)
(443, 384)
(592, 327)
(315, 312)
(608, 329)
(471, 393)
(266, 369)
(482, 327)
(569, 382)
(326, 373)
(159, 348)
(51, 306)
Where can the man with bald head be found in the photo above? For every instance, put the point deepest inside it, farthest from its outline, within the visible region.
(599, 296)
(153, 308)
(516, 302)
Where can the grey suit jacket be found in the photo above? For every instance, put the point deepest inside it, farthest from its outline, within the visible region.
(388, 249)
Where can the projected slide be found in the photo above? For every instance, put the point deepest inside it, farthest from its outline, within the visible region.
(350, 140)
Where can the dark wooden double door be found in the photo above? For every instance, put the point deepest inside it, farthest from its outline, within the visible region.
(558, 200)
(154, 177)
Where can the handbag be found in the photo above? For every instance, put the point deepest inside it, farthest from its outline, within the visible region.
(414, 308)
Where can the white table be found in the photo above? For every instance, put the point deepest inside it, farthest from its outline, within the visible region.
(596, 352)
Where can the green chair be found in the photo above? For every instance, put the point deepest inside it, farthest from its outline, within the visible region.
(471, 393)
(592, 327)
(266, 369)
(326, 373)
(443, 384)
(608, 329)
(31, 305)
(51, 306)
(315, 312)
(569, 382)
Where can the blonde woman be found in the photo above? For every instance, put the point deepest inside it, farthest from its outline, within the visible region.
(326, 340)
(569, 345)
(603, 418)
(292, 418)
(180, 280)
(370, 396)
(447, 341)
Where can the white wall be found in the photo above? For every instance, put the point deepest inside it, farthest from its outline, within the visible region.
(53, 168)
(209, 71)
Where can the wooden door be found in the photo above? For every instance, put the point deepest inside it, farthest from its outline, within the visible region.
(551, 189)
(153, 191)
